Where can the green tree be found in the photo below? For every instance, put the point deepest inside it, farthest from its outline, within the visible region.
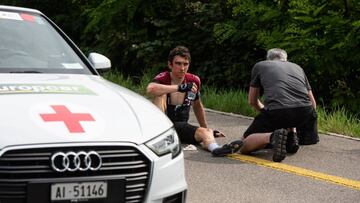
(321, 36)
(226, 38)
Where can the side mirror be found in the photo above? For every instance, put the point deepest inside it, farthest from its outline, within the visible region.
(99, 61)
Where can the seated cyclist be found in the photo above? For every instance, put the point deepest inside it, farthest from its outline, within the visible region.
(174, 92)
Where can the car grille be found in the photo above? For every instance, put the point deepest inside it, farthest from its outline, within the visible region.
(19, 167)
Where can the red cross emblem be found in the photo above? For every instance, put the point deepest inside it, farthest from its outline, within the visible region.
(71, 120)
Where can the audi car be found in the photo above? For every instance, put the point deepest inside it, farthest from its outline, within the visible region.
(68, 134)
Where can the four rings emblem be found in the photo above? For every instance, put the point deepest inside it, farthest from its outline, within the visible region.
(76, 161)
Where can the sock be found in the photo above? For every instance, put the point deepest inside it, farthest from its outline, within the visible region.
(213, 146)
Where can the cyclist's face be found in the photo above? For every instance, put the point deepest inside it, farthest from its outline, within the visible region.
(179, 66)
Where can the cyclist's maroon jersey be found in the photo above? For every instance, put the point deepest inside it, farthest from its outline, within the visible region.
(165, 78)
(178, 113)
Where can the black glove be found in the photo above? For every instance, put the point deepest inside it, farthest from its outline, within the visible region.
(185, 87)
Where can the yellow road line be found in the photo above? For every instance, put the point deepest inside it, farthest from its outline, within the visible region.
(298, 171)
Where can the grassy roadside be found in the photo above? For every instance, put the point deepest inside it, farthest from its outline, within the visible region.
(338, 121)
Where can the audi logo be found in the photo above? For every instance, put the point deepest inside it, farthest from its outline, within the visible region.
(76, 161)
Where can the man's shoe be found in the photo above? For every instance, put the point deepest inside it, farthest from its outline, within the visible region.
(226, 149)
(278, 140)
(292, 144)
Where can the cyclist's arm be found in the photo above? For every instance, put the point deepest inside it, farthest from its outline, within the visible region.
(199, 113)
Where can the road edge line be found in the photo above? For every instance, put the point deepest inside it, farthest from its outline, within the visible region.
(353, 184)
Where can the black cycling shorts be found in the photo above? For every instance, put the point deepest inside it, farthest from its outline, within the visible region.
(186, 132)
(270, 120)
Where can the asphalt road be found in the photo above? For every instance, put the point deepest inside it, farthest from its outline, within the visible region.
(326, 172)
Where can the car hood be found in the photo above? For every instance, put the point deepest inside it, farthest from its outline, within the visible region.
(56, 108)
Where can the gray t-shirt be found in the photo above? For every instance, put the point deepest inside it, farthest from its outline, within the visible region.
(285, 84)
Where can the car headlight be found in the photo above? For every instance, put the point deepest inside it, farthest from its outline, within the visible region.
(168, 142)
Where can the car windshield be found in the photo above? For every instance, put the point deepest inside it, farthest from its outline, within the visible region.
(30, 44)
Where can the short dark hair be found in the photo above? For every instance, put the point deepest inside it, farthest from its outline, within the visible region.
(179, 51)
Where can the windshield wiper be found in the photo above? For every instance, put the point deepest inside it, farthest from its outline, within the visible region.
(26, 71)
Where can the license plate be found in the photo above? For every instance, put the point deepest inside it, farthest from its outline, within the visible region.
(76, 191)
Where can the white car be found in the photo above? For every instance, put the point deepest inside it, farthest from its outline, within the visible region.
(69, 135)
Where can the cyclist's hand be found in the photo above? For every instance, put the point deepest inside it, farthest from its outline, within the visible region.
(218, 133)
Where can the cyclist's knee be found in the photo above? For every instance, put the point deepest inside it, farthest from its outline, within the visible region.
(204, 134)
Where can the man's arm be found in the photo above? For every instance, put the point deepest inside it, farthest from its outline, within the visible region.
(312, 99)
(156, 89)
(253, 98)
(199, 113)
